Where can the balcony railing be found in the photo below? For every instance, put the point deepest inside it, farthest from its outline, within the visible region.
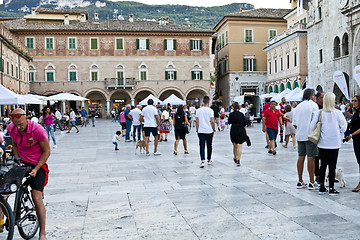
(287, 32)
(119, 82)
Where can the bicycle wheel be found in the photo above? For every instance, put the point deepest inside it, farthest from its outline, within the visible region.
(26, 220)
(8, 220)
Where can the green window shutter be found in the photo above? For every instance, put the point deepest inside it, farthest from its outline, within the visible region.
(50, 76)
(192, 75)
(72, 76)
(244, 61)
(174, 44)
(166, 75)
(72, 43)
(119, 44)
(201, 75)
(94, 44)
(137, 44)
(165, 44)
(120, 78)
(200, 44)
(191, 45)
(254, 64)
(147, 44)
(227, 37)
(223, 40)
(175, 77)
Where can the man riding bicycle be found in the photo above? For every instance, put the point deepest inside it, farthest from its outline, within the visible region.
(31, 143)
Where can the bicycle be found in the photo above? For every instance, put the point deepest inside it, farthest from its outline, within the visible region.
(24, 214)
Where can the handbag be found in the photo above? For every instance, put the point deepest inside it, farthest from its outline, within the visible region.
(314, 135)
(248, 142)
(187, 128)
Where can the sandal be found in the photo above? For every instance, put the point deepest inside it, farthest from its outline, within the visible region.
(175, 152)
(186, 152)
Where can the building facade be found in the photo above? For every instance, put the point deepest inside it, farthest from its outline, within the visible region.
(287, 54)
(333, 40)
(115, 62)
(241, 63)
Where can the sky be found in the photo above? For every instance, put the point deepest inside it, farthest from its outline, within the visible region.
(209, 3)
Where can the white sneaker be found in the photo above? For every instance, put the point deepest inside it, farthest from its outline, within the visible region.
(301, 185)
(202, 164)
(54, 146)
(313, 186)
(157, 153)
(210, 162)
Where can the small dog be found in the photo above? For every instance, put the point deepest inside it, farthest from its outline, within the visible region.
(339, 175)
(141, 144)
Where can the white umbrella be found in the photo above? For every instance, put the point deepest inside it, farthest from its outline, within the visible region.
(278, 97)
(66, 97)
(31, 100)
(8, 97)
(155, 99)
(292, 93)
(174, 100)
(296, 97)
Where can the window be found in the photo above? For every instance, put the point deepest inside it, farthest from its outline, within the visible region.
(49, 43)
(170, 75)
(7, 67)
(195, 45)
(249, 64)
(143, 72)
(32, 76)
(94, 44)
(287, 61)
(142, 44)
(72, 76)
(321, 55)
(196, 75)
(119, 44)
(94, 72)
(72, 43)
(12, 69)
(227, 37)
(272, 33)
(94, 76)
(2, 65)
(248, 35)
(30, 42)
(50, 76)
(17, 72)
(223, 40)
(143, 75)
(269, 67)
(319, 13)
(281, 64)
(120, 77)
(345, 45)
(336, 47)
(170, 44)
(295, 59)
(275, 66)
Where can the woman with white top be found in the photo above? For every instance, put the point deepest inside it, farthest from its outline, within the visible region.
(333, 126)
(164, 125)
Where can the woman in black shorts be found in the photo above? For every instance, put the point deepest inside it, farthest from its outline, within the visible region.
(180, 122)
(237, 131)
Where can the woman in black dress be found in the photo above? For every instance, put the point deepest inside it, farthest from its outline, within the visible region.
(180, 121)
(237, 131)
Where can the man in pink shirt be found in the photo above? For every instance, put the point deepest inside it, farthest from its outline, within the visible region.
(31, 143)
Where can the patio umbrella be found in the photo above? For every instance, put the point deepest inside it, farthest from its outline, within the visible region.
(155, 99)
(174, 100)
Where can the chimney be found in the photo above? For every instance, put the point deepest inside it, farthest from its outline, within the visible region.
(83, 18)
(96, 16)
(66, 19)
(131, 17)
(33, 12)
(243, 9)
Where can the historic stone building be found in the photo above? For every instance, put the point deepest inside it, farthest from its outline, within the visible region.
(333, 42)
(287, 53)
(114, 62)
(241, 63)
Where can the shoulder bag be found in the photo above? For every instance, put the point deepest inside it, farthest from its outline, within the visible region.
(314, 135)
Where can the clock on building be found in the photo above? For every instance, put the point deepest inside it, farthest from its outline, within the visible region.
(343, 3)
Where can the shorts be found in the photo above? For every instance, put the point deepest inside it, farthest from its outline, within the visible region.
(41, 179)
(72, 122)
(149, 130)
(217, 120)
(123, 125)
(272, 133)
(83, 119)
(307, 148)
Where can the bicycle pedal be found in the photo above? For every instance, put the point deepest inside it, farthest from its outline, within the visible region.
(32, 217)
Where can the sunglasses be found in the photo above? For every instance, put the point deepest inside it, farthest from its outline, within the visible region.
(16, 115)
(354, 100)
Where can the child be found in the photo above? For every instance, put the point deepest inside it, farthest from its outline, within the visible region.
(289, 128)
(222, 121)
(117, 134)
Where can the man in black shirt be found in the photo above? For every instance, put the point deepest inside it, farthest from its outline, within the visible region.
(216, 110)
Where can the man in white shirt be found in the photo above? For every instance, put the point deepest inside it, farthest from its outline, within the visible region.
(205, 128)
(193, 115)
(72, 122)
(57, 120)
(343, 108)
(303, 115)
(135, 114)
(149, 116)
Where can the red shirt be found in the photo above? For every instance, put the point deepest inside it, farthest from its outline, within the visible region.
(265, 107)
(29, 144)
(272, 118)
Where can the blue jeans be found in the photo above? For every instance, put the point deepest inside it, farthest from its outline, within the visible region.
(50, 131)
(128, 129)
(138, 132)
(116, 144)
(205, 138)
(93, 121)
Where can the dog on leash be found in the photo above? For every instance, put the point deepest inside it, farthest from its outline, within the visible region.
(141, 144)
(339, 175)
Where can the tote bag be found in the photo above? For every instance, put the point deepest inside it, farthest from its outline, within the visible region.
(314, 135)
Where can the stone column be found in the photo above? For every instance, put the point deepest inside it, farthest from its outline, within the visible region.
(82, 104)
(63, 106)
(108, 108)
(132, 102)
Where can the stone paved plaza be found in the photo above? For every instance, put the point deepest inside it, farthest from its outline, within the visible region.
(97, 193)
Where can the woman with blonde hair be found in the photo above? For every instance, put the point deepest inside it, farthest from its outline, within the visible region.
(333, 126)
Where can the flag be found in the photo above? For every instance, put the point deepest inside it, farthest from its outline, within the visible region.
(357, 74)
(340, 80)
